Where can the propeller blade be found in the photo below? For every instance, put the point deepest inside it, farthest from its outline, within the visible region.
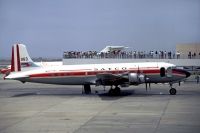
(149, 85)
(146, 86)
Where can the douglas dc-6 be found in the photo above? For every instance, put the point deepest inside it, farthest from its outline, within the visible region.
(113, 74)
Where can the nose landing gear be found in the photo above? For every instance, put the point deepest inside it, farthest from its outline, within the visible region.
(172, 91)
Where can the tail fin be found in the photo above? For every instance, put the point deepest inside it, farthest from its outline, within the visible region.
(20, 58)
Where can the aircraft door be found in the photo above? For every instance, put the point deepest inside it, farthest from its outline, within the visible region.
(162, 72)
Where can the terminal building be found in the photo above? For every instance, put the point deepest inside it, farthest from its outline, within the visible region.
(189, 50)
(189, 58)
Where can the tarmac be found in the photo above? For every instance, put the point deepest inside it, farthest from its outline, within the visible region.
(39, 108)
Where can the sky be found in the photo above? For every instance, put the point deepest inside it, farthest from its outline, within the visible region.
(49, 27)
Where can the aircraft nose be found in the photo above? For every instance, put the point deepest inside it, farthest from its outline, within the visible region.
(187, 74)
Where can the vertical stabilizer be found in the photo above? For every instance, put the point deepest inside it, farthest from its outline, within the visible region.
(20, 58)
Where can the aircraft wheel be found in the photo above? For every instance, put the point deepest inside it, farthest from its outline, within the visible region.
(114, 92)
(87, 89)
(117, 91)
(111, 92)
(172, 91)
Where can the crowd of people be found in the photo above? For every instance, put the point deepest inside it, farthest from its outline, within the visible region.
(130, 54)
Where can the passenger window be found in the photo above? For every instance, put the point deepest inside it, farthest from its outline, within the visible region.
(162, 72)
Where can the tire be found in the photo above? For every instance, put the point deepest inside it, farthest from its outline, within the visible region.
(111, 92)
(117, 91)
(87, 89)
(172, 91)
(114, 92)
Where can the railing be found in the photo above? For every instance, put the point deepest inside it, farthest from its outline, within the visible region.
(128, 55)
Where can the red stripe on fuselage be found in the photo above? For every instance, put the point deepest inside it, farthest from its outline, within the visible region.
(90, 73)
(94, 73)
(58, 74)
(143, 68)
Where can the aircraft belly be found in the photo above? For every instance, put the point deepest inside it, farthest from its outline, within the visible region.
(65, 80)
(76, 80)
(158, 79)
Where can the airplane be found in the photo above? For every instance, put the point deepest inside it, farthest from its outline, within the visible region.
(108, 49)
(5, 70)
(111, 74)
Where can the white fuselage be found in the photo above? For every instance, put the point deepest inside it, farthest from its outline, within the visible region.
(86, 74)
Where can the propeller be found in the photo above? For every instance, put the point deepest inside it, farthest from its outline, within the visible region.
(146, 82)
(146, 85)
(150, 86)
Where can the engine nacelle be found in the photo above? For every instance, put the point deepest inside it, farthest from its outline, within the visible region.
(135, 78)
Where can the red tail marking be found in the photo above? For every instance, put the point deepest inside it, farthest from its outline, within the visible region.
(12, 60)
(18, 59)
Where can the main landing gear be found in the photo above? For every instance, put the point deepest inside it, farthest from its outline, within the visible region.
(172, 91)
(87, 89)
(114, 91)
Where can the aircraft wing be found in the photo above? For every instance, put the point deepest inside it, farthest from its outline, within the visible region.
(109, 78)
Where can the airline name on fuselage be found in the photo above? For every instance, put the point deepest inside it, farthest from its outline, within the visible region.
(105, 69)
(98, 69)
